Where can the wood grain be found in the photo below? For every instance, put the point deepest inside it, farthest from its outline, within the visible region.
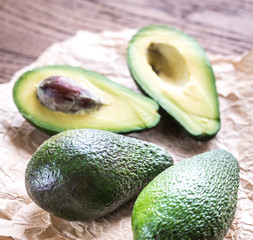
(28, 27)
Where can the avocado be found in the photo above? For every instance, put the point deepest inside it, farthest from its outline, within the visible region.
(85, 174)
(194, 199)
(59, 98)
(173, 69)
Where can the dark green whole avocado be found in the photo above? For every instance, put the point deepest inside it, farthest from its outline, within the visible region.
(85, 174)
(173, 69)
(194, 199)
(57, 98)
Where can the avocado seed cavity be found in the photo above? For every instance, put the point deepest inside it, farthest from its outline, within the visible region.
(59, 93)
(168, 63)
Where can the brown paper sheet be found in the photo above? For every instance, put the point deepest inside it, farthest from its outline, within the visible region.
(105, 53)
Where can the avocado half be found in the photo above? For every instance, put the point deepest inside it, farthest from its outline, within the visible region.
(122, 110)
(174, 70)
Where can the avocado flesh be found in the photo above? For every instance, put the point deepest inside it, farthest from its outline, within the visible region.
(174, 70)
(194, 199)
(123, 110)
(84, 174)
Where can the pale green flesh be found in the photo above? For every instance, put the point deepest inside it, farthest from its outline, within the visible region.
(123, 110)
(174, 70)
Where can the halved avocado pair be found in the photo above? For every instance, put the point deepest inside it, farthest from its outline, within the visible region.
(166, 63)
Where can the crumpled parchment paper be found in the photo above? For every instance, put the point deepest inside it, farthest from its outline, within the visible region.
(105, 53)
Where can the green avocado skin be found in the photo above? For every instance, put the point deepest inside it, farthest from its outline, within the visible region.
(86, 173)
(194, 199)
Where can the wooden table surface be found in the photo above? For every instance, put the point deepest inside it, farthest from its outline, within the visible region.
(28, 27)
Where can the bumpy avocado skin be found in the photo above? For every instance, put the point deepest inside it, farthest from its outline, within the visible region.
(85, 174)
(194, 199)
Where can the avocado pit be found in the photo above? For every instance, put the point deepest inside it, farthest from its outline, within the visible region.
(59, 93)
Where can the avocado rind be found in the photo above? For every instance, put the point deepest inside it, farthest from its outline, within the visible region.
(149, 117)
(172, 107)
(194, 199)
(85, 174)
